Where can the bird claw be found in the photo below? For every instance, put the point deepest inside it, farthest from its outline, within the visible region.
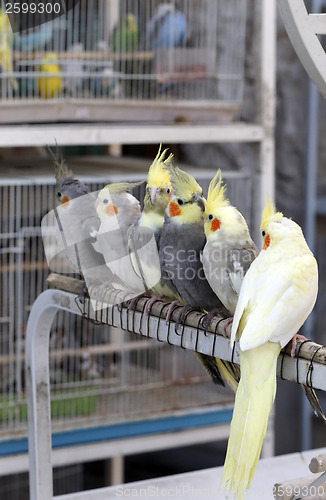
(181, 317)
(294, 340)
(170, 309)
(150, 302)
(206, 321)
(132, 302)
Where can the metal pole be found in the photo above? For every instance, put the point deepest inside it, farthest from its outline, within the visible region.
(311, 172)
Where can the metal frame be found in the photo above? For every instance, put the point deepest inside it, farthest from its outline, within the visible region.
(38, 391)
(192, 337)
(303, 30)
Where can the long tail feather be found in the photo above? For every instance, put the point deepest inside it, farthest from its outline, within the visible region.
(253, 402)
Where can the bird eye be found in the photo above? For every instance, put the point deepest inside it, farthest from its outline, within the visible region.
(263, 234)
(210, 217)
(180, 201)
(105, 201)
(168, 191)
(59, 194)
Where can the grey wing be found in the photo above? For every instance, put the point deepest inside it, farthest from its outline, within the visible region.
(184, 267)
(239, 260)
(144, 255)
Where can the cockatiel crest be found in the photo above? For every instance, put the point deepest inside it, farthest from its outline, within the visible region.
(158, 173)
(269, 214)
(221, 216)
(183, 184)
(216, 194)
(275, 226)
(61, 170)
(158, 187)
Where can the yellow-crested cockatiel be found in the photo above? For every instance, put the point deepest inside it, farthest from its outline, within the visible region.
(277, 295)
(181, 244)
(149, 224)
(229, 250)
(228, 254)
(157, 197)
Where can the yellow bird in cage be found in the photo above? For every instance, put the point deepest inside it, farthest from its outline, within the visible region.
(6, 62)
(49, 86)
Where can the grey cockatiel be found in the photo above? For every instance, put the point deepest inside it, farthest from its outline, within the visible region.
(182, 242)
(78, 222)
(229, 250)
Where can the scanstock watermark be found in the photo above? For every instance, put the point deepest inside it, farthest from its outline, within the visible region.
(27, 14)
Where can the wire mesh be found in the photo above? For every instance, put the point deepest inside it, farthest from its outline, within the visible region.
(99, 375)
(128, 52)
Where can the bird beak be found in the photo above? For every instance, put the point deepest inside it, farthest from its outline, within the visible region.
(199, 200)
(153, 193)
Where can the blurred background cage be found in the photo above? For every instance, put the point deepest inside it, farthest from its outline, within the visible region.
(126, 60)
(99, 376)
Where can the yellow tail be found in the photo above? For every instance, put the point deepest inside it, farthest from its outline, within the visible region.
(253, 402)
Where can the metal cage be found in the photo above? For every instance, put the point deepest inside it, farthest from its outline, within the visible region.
(99, 375)
(126, 60)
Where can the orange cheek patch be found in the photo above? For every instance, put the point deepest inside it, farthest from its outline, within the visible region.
(267, 242)
(174, 209)
(111, 210)
(65, 201)
(216, 224)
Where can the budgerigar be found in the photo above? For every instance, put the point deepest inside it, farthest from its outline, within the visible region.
(181, 244)
(166, 29)
(229, 250)
(49, 85)
(125, 34)
(277, 295)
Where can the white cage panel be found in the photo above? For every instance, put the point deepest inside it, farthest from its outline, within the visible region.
(98, 375)
(141, 60)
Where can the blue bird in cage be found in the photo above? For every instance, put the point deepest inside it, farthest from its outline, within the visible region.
(166, 29)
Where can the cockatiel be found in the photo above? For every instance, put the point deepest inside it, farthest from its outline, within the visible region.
(181, 244)
(118, 210)
(79, 223)
(228, 254)
(229, 250)
(157, 197)
(277, 295)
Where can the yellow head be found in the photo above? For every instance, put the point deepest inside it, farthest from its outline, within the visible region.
(221, 217)
(131, 23)
(158, 187)
(187, 203)
(275, 228)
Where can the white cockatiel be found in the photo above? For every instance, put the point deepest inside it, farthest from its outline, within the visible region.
(277, 295)
(118, 210)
